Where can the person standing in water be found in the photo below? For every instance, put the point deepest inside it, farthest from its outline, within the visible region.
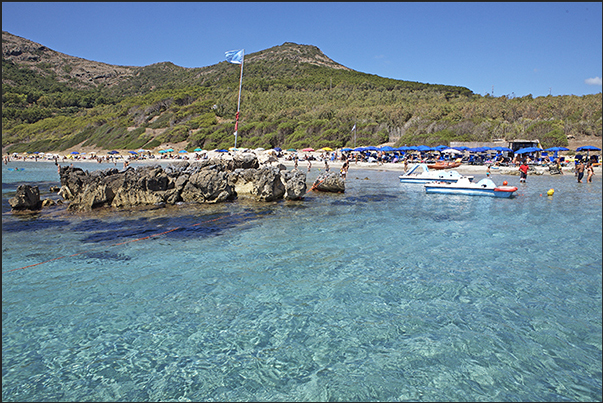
(523, 171)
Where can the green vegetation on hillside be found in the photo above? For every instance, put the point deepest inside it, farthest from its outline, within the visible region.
(284, 103)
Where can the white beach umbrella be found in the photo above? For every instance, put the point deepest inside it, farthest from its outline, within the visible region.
(451, 151)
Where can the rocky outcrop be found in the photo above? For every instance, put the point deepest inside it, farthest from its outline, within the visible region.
(206, 181)
(26, 198)
(329, 182)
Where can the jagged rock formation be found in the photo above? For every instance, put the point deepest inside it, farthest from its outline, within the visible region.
(329, 182)
(206, 181)
(26, 198)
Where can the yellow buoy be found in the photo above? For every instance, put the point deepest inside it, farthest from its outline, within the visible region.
(550, 192)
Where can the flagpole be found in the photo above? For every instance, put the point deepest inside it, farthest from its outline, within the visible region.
(239, 102)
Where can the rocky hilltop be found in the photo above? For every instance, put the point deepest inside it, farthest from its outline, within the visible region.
(78, 72)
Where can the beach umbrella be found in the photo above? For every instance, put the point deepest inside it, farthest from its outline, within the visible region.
(461, 148)
(327, 149)
(169, 150)
(387, 148)
(74, 152)
(132, 152)
(588, 149)
(347, 149)
(500, 148)
(292, 149)
(198, 149)
(278, 149)
(555, 150)
(308, 149)
(441, 147)
(113, 152)
(182, 151)
(451, 151)
(423, 148)
(142, 150)
(221, 150)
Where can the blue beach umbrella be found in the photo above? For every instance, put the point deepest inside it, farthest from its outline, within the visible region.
(112, 152)
(182, 151)
(386, 148)
(500, 148)
(198, 149)
(347, 149)
(278, 149)
(588, 149)
(74, 152)
(132, 152)
(169, 150)
(556, 150)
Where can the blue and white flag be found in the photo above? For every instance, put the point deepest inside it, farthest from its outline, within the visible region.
(235, 56)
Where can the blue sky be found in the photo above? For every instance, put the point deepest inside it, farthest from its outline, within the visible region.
(496, 48)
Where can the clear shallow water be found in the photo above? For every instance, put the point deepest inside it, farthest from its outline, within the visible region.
(382, 293)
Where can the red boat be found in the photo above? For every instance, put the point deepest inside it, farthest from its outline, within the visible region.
(444, 165)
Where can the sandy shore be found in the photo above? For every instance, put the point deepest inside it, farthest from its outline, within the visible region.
(463, 169)
(303, 165)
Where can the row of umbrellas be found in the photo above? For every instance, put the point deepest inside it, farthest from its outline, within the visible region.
(441, 148)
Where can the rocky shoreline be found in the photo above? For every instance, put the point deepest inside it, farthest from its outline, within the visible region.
(205, 181)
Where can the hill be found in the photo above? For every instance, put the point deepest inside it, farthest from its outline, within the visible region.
(293, 96)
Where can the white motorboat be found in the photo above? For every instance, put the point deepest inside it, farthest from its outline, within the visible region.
(420, 173)
(463, 186)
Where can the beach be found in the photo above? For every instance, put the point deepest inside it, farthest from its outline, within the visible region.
(265, 157)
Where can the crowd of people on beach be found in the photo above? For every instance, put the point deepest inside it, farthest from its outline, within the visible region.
(581, 166)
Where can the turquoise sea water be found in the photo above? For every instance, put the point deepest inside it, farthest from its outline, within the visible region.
(383, 293)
